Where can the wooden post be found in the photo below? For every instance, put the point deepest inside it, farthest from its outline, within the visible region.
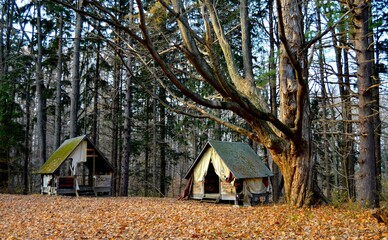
(94, 163)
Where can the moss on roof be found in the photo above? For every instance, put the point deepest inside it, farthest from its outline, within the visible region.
(60, 155)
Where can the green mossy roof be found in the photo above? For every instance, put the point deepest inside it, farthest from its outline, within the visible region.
(60, 155)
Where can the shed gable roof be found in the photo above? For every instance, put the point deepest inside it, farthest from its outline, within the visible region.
(240, 158)
(62, 153)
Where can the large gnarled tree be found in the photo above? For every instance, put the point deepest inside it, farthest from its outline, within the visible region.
(210, 53)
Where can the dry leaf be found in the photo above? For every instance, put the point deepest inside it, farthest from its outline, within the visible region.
(51, 217)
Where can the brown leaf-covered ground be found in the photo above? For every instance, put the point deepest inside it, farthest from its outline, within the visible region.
(52, 217)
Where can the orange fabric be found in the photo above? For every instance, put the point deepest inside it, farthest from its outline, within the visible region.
(189, 186)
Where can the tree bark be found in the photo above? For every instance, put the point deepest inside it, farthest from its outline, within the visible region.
(26, 172)
(58, 92)
(127, 139)
(295, 162)
(376, 116)
(147, 143)
(325, 137)
(349, 151)
(115, 126)
(366, 175)
(297, 174)
(5, 50)
(40, 88)
(154, 141)
(162, 144)
(127, 123)
(126, 134)
(276, 179)
(96, 82)
(75, 82)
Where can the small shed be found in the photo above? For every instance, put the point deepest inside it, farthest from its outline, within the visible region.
(227, 171)
(76, 167)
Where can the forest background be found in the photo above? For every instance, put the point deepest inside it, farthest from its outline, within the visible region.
(65, 73)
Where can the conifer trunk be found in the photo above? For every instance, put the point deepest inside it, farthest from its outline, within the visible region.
(127, 124)
(58, 92)
(75, 82)
(41, 106)
(366, 175)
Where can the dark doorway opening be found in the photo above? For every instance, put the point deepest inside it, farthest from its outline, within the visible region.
(212, 182)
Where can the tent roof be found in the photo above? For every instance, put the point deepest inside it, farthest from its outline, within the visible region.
(63, 152)
(240, 158)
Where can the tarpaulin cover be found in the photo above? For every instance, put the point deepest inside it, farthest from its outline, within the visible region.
(46, 180)
(220, 167)
(186, 192)
(253, 186)
(78, 156)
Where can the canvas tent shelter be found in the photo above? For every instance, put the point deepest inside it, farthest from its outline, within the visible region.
(76, 167)
(227, 171)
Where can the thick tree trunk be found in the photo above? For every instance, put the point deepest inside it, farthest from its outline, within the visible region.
(295, 160)
(376, 117)
(297, 174)
(366, 175)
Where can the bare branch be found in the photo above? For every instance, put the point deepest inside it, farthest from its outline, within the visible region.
(327, 30)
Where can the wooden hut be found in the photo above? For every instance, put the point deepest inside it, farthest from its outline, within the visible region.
(76, 167)
(228, 171)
